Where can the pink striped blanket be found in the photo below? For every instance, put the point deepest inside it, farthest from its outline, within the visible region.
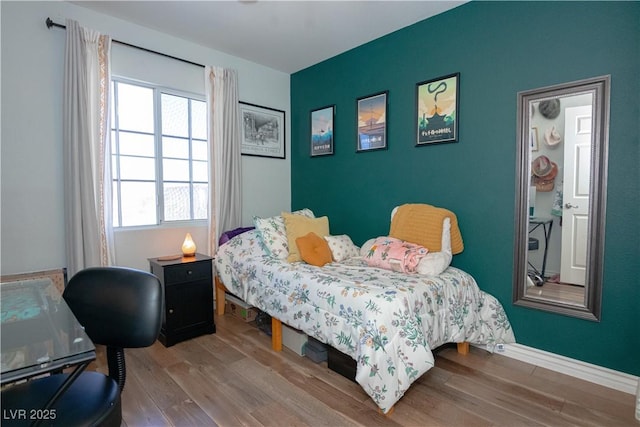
(395, 254)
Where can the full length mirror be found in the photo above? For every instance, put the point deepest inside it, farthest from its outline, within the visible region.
(561, 175)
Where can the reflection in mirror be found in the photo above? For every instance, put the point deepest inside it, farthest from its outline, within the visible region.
(560, 199)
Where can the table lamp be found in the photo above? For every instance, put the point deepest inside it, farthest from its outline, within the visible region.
(188, 246)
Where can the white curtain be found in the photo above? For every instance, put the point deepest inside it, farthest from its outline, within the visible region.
(223, 115)
(86, 130)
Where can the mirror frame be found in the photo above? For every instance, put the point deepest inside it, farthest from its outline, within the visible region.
(600, 88)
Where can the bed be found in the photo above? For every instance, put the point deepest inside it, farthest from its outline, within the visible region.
(386, 320)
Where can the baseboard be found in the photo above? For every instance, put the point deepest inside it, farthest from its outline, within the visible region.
(593, 373)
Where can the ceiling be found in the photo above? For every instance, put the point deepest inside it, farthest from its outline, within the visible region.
(284, 35)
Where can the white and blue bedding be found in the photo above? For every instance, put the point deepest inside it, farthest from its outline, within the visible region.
(387, 321)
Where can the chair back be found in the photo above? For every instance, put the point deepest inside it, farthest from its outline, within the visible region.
(118, 306)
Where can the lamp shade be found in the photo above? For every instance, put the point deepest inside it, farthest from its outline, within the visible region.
(188, 246)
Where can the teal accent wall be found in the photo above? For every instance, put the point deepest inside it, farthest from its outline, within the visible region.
(499, 49)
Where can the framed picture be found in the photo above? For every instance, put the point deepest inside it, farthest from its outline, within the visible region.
(322, 131)
(437, 110)
(262, 131)
(372, 122)
(533, 139)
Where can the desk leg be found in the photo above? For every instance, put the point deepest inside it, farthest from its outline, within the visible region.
(547, 236)
(77, 371)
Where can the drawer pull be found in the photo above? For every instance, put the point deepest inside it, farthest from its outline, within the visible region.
(189, 272)
(171, 311)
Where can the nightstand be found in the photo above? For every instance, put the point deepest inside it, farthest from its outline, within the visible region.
(188, 297)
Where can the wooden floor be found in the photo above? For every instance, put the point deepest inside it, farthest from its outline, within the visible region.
(233, 378)
(559, 292)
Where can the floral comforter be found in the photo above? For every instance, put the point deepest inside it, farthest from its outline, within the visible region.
(387, 321)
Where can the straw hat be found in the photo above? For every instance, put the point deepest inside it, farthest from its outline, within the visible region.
(552, 137)
(544, 173)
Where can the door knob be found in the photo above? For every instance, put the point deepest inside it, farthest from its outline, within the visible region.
(569, 206)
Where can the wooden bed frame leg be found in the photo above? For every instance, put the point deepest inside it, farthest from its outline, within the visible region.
(463, 348)
(220, 296)
(276, 325)
(393, 408)
(276, 334)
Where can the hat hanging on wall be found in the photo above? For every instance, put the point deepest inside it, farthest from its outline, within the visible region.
(552, 137)
(544, 173)
(550, 108)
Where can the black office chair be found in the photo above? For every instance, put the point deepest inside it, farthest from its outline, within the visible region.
(119, 308)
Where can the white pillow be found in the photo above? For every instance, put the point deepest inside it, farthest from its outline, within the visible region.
(273, 235)
(342, 247)
(435, 263)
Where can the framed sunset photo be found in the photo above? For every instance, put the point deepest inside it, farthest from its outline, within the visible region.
(372, 122)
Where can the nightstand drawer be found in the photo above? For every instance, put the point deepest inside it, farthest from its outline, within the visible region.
(187, 272)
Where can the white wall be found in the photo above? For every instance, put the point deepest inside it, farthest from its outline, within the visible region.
(31, 206)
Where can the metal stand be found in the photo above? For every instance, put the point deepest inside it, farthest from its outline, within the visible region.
(547, 225)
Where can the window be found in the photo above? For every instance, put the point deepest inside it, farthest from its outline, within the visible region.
(159, 155)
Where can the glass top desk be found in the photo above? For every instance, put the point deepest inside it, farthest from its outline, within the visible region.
(39, 333)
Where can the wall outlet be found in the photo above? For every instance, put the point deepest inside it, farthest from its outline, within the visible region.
(500, 348)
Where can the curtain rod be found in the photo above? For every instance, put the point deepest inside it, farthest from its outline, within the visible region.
(50, 24)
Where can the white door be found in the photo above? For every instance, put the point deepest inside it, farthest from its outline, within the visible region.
(576, 175)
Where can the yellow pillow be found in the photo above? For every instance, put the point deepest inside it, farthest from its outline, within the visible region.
(422, 224)
(299, 226)
(314, 249)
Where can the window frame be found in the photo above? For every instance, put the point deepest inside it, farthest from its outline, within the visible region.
(159, 182)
